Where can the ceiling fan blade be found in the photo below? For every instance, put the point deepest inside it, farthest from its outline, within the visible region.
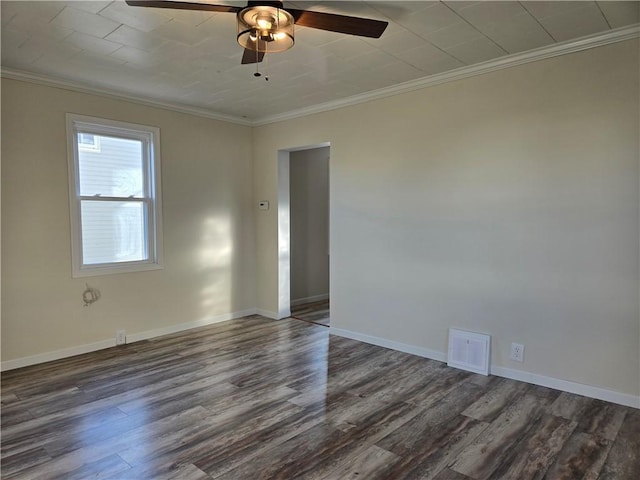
(362, 27)
(183, 5)
(251, 56)
(254, 51)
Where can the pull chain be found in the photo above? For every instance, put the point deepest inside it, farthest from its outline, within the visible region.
(258, 74)
(266, 67)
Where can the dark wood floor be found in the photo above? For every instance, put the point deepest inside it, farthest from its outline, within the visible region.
(255, 398)
(316, 312)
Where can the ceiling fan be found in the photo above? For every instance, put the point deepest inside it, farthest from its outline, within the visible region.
(267, 27)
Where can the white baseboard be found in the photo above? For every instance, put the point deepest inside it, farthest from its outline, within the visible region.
(135, 337)
(382, 342)
(269, 314)
(312, 299)
(568, 386)
(520, 375)
(158, 332)
(56, 355)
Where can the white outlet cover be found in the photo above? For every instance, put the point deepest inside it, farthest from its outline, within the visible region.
(517, 352)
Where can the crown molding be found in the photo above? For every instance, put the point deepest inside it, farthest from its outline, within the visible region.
(555, 50)
(113, 94)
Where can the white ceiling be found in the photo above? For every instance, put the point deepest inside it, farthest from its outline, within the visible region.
(192, 59)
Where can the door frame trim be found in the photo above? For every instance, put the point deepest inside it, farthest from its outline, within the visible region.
(284, 224)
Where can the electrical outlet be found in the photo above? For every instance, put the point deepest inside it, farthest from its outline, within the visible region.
(517, 352)
(121, 337)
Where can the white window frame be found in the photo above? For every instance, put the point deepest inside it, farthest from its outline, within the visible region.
(150, 138)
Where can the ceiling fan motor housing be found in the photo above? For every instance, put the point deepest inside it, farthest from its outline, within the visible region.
(265, 27)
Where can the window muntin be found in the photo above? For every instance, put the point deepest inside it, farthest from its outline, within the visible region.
(114, 194)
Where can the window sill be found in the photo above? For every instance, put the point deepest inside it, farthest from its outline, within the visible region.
(114, 269)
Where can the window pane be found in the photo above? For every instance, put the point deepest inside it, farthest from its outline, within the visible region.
(113, 232)
(115, 169)
(88, 141)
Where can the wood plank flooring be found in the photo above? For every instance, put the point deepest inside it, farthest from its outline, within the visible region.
(260, 399)
(317, 312)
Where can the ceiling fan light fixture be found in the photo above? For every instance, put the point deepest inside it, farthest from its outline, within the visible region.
(263, 28)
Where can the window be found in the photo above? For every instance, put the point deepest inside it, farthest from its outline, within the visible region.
(114, 192)
(88, 142)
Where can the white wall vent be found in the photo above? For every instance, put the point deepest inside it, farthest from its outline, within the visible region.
(469, 351)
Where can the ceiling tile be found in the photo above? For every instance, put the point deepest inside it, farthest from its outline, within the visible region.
(348, 47)
(222, 25)
(194, 17)
(29, 21)
(340, 89)
(5, 20)
(520, 33)
(140, 18)
(171, 53)
(301, 54)
(457, 5)
(12, 39)
(92, 6)
(478, 51)
(400, 42)
(398, 72)
(11, 51)
(443, 64)
(46, 48)
(621, 14)
(19, 61)
(34, 26)
(453, 35)
(374, 59)
(106, 63)
(426, 57)
(84, 22)
(136, 57)
(314, 37)
(373, 82)
(329, 64)
(435, 17)
(489, 13)
(357, 8)
(181, 33)
(543, 9)
(134, 38)
(92, 44)
(40, 12)
(59, 66)
(400, 10)
(575, 23)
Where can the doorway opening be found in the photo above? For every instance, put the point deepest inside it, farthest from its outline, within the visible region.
(303, 233)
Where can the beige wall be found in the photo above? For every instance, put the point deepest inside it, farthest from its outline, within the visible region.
(505, 203)
(309, 197)
(207, 217)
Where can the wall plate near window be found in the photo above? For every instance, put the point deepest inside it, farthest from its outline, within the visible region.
(114, 195)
